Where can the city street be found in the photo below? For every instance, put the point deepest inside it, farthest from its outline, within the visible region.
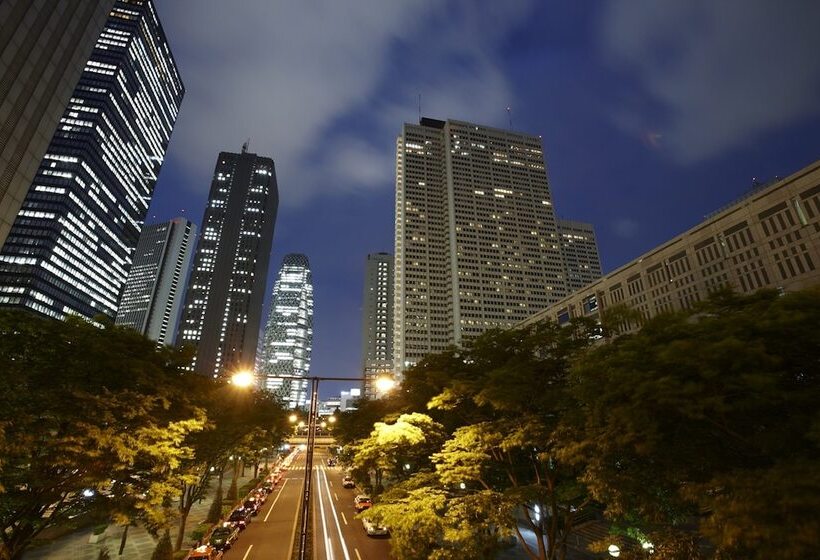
(270, 535)
(336, 533)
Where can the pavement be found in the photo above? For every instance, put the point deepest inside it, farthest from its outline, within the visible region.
(139, 544)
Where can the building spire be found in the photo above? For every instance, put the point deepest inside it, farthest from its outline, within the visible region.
(245, 146)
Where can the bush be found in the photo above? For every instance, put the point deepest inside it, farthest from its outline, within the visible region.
(164, 550)
(215, 511)
(100, 529)
(200, 531)
(232, 492)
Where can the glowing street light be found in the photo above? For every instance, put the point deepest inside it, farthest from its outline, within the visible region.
(385, 383)
(614, 550)
(242, 379)
(293, 418)
(331, 419)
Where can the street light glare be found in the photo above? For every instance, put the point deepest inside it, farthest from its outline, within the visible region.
(385, 383)
(293, 418)
(242, 379)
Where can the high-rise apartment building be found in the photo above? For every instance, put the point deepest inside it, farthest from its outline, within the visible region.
(377, 319)
(770, 238)
(289, 332)
(153, 292)
(477, 243)
(223, 304)
(70, 248)
(44, 47)
(579, 249)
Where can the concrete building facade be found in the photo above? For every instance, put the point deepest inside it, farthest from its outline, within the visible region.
(476, 243)
(223, 302)
(44, 47)
(377, 320)
(768, 239)
(579, 249)
(152, 297)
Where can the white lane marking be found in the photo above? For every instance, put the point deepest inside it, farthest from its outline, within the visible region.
(248, 552)
(328, 547)
(337, 496)
(343, 517)
(359, 556)
(295, 519)
(336, 518)
(276, 500)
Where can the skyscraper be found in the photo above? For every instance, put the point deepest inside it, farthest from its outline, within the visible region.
(44, 47)
(377, 319)
(223, 304)
(476, 237)
(70, 248)
(580, 252)
(153, 292)
(289, 332)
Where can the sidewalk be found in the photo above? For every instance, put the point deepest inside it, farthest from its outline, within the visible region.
(139, 545)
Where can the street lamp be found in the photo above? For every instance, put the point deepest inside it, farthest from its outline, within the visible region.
(331, 419)
(385, 383)
(242, 379)
(293, 418)
(614, 550)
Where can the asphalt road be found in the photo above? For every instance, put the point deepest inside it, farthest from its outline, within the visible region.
(270, 535)
(337, 535)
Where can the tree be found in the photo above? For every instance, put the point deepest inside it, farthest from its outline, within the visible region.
(81, 406)
(708, 419)
(163, 550)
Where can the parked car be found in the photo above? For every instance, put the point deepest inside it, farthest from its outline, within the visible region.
(223, 537)
(267, 486)
(205, 552)
(347, 482)
(261, 495)
(252, 505)
(240, 517)
(362, 502)
(374, 530)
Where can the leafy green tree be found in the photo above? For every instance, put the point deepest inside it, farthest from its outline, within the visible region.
(85, 411)
(709, 419)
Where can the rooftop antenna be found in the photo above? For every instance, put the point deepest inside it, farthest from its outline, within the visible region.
(509, 116)
(419, 107)
(245, 145)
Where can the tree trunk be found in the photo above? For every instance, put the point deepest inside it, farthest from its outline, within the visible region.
(123, 539)
(183, 520)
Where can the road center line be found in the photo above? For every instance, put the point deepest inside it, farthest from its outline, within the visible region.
(336, 518)
(247, 552)
(359, 556)
(328, 547)
(276, 500)
(343, 517)
(337, 496)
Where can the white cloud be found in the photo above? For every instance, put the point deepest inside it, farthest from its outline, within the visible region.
(282, 73)
(720, 71)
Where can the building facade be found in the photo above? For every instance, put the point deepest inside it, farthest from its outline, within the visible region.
(579, 249)
(44, 47)
(152, 297)
(377, 319)
(477, 243)
(289, 333)
(768, 239)
(70, 247)
(223, 302)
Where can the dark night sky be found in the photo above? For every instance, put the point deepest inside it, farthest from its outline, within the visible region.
(653, 113)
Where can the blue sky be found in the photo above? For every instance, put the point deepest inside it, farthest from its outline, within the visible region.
(652, 112)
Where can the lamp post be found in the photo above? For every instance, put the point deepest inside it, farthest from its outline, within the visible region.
(383, 383)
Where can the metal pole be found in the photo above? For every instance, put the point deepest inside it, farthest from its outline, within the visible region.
(314, 403)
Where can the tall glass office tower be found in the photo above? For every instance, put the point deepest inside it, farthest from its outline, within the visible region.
(289, 333)
(223, 304)
(71, 245)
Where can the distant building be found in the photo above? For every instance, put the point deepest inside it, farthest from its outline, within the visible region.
(768, 239)
(580, 253)
(289, 332)
(44, 47)
(476, 241)
(70, 248)
(345, 401)
(377, 319)
(153, 293)
(223, 303)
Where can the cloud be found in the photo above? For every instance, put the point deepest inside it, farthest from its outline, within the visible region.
(714, 74)
(286, 74)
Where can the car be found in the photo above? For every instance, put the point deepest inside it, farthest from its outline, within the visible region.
(253, 505)
(361, 502)
(261, 495)
(347, 482)
(240, 517)
(205, 552)
(267, 486)
(223, 537)
(373, 529)
(331, 462)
